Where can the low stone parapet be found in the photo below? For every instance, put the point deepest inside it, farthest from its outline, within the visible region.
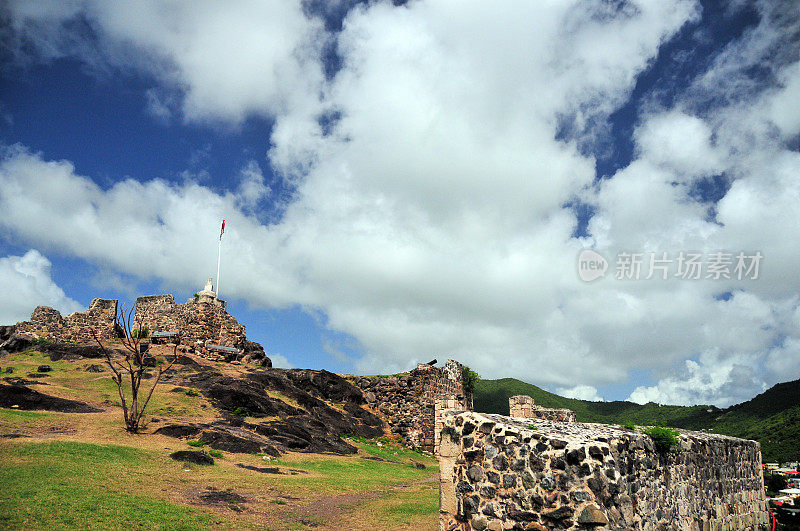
(508, 473)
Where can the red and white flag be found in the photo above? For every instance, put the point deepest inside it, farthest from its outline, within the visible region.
(222, 230)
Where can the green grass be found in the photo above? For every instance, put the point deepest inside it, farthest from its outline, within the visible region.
(82, 481)
(352, 474)
(15, 417)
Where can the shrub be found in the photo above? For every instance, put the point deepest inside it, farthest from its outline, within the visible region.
(140, 333)
(629, 426)
(215, 453)
(241, 412)
(192, 392)
(196, 444)
(42, 341)
(278, 502)
(469, 377)
(663, 437)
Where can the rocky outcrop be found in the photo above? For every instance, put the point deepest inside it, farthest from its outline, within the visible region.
(21, 397)
(504, 473)
(276, 410)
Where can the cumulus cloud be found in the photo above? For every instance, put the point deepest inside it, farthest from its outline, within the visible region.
(251, 57)
(26, 283)
(581, 392)
(428, 215)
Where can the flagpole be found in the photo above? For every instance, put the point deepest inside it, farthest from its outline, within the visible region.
(219, 252)
(219, 256)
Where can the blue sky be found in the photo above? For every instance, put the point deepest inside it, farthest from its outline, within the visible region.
(408, 182)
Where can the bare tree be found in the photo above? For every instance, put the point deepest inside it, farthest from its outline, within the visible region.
(130, 365)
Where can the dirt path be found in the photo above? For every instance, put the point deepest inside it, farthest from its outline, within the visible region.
(323, 512)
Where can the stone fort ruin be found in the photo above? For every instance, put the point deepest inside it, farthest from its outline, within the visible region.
(536, 469)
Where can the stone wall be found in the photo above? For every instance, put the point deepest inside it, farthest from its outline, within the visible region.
(199, 319)
(408, 402)
(48, 323)
(522, 406)
(503, 473)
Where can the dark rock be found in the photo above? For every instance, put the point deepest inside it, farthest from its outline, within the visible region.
(236, 440)
(493, 477)
(509, 480)
(475, 473)
(488, 492)
(58, 351)
(6, 331)
(180, 430)
(574, 457)
(468, 428)
(417, 465)
(190, 456)
(596, 453)
(44, 368)
(500, 463)
(464, 487)
(522, 516)
(28, 399)
(592, 516)
(558, 444)
(561, 513)
(16, 344)
(94, 368)
(261, 469)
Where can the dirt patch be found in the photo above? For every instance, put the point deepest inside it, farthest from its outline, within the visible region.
(28, 399)
(212, 496)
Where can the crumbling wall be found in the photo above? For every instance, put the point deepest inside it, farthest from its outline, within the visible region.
(503, 473)
(48, 323)
(522, 406)
(408, 402)
(196, 320)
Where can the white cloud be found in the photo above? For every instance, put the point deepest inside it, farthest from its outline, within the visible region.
(280, 361)
(581, 392)
(252, 187)
(251, 57)
(429, 221)
(26, 283)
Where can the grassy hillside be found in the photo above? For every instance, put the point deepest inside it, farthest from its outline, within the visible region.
(772, 418)
(66, 470)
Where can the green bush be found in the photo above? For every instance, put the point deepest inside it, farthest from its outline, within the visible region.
(215, 453)
(196, 444)
(663, 437)
(140, 333)
(629, 426)
(241, 412)
(42, 341)
(192, 392)
(469, 377)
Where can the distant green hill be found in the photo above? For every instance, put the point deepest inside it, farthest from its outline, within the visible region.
(772, 418)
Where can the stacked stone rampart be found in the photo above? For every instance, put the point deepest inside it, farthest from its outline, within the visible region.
(504, 473)
(48, 323)
(522, 406)
(408, 402)
(201, 319)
